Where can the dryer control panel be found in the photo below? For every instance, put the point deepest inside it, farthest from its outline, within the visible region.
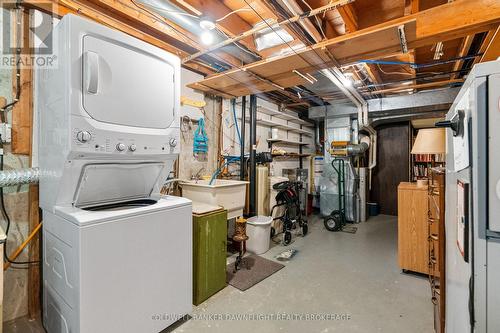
(85, 138)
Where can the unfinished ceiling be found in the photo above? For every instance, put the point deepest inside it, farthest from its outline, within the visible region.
(280, 49)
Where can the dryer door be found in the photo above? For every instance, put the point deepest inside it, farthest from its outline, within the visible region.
(125, 85)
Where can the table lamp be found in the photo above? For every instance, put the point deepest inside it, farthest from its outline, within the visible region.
(429, 141)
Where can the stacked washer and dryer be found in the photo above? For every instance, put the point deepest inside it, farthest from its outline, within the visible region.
(117, 255)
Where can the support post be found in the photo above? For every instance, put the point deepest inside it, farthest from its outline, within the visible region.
(242, 129)
(253, 144)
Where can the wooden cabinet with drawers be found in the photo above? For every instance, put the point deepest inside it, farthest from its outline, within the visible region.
(413, 247)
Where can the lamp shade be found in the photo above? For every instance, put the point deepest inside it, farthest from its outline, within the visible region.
(430, 141)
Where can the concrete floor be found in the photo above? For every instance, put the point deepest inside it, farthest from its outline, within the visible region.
(354, 278)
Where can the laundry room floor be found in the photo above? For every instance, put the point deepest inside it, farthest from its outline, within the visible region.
(336, 282)
(354, 278)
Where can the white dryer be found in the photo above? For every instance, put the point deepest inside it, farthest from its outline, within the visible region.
(117, 255)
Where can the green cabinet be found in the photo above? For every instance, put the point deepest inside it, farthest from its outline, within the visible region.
(209, 254)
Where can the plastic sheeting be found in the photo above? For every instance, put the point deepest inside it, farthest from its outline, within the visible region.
(329, 194)
(338, 129)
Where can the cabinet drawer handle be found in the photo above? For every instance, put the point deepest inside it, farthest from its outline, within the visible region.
(434, 300)
(434, 237)
(433, 260)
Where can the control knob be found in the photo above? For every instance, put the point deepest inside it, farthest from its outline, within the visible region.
(132, 147)
(83, 136)
(120, 146)
(173, 142)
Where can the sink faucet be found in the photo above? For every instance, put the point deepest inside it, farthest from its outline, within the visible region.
(197, 175)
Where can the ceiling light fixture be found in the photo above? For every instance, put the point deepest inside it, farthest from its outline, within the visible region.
(207, 24)
(206, 38)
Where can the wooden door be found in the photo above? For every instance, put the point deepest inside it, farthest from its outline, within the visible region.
(393, 165)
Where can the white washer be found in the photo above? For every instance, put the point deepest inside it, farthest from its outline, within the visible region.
(117, 256)
(120, 270)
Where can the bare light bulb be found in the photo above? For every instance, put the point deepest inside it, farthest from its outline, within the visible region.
(206, 37)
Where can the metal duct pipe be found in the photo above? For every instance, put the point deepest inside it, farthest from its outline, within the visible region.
(373, 152)
(242, 148)
(317, 137)
(19, 177)
(357, 149)
(253, 144)
(192, 24)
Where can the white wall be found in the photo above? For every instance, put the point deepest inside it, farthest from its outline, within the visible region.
(189, 164)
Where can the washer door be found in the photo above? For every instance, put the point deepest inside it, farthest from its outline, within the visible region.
(122, 83)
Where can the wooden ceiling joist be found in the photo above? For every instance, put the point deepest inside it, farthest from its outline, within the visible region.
(411, 7)
(410, 88)
(492, 51)
(232, 25)
(349, 16)
(445, 22)
(464, 48)
(140, 17)
(60, 8)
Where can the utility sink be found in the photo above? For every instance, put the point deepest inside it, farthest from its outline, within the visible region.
(229, 194)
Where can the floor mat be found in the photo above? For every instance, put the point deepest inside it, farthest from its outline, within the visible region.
(350, 230)
(253, 270)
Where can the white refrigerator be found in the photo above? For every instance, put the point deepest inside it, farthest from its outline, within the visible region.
(473, 204)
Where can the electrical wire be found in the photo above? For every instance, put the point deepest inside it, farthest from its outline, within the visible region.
(188, 40)
(7, 218)
(393, 73)
(317, 19)
(244, 9)
(238, 44)
(233, 107)
(283, 40)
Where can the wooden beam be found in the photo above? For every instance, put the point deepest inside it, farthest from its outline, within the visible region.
(295, 9)
(462, 51)
(411, 7)
(373, 73)
(441, 23)
(492, 51)
(232, 25)
(22, 111)
(455, 19)
(145, 19)
(349, 16)
(63, 7)
(417, 86)
(284, 23)
(34, 302)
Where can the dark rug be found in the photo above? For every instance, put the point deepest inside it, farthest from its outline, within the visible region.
(253, 270)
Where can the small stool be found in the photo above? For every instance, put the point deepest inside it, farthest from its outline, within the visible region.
(241, 237)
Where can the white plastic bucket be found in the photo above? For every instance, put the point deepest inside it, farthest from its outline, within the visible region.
(259, 234)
